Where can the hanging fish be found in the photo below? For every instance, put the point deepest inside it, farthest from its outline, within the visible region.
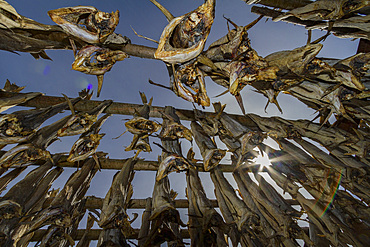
(9, 102)
(88, 142)
(82, 121)
(114, 217)
(210, 153)
(85, 22)
(142, 127)
(25, 153)
(206, 226)
(324, 10)
(20, 126)
(184, 37)
(94, 60)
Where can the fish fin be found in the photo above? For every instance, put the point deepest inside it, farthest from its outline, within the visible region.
(69, 104)
(100, 84)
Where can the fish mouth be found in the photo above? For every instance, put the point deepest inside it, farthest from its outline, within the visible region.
(86, 22)
(212, 158)
(171, 52)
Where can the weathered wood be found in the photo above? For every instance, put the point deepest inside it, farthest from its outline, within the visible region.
(120, 108)
(93, 202)
(94, 234)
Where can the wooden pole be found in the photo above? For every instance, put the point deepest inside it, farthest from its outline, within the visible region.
(43, 101)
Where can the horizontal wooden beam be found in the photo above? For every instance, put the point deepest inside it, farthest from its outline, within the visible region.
(94, 234)
(121, 108)
(93, 202)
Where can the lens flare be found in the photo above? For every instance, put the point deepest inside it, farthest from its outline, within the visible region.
(332, 196)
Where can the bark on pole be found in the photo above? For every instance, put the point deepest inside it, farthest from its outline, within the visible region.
(120, 108)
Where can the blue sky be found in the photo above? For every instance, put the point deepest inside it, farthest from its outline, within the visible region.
(127, 78)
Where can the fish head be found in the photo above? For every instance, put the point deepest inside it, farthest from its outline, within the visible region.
(140, 125)
(85, 22)
(84, 147)
(23, 155)
(10, 209)
(94, 60)
(184, 37)
(212, 158)
(77, 124)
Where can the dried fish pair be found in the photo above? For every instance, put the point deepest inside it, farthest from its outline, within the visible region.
(92, 26)
(35, 149)
(208, 149)
(165, 219)
(20, 126)
(62, 210)
(247, 230)
(142, 127)
(88, 142)
(206, 226)
(172, 159)
(81, 122)
(114, 218)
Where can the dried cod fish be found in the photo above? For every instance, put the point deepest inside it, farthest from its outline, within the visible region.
(113, 218)
(142, 127)
(35, 149)
(7, 178)
(20, 126)
(82, 121)
(206, 226)
(184, 37)
(94, 60)
(19, 33)
(209, 151)
(187, 81)
(85, 22)
(164, 217)
(6, 103)
(324, 10)
(172, 129)
(248, 232)
(145, 222)
(88, 142)
(60, 210)
(172, 159)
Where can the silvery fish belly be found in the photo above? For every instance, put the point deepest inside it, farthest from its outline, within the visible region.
(184, 37)
(85, 22)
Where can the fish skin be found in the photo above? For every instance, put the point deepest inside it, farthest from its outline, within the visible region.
(6, 103)
(210, 153)
(206, 226)
(23, 124)
(81, 122)
(182, 52)
(73, 20)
